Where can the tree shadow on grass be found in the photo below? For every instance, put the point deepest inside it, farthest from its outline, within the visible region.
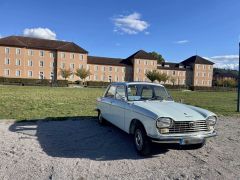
(83, 137)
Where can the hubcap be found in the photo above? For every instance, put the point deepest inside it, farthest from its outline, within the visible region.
(138, 139)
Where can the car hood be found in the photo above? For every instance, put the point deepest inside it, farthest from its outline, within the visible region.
(176, 111)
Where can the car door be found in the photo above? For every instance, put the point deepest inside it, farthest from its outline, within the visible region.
(119, 107)
(106, 103)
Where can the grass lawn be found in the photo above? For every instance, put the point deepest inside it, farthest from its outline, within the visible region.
(21, 102)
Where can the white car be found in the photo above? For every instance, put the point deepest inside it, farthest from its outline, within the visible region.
(147, 111)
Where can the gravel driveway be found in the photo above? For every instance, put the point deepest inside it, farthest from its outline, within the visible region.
(81, 149)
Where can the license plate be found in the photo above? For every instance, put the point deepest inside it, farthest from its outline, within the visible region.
(191, 141)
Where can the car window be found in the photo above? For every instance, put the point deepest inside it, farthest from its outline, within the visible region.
(120, 92)
(111, 92)
(132, 93)
(161, 92)
(147, 92)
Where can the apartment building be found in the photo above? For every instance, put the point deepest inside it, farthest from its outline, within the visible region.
(24, 57)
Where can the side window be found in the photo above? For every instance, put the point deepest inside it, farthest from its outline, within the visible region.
(132, 93)
(147, 92)
(111, 92)
(120, 92)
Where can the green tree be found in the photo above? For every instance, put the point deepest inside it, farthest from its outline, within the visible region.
(159, 57)
(162, 77)
(152, 75)
(82, 73)
(65, 73)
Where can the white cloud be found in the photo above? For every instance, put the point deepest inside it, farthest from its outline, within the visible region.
(130, 24)
(182, 41)
(43, 33)
(225, 61)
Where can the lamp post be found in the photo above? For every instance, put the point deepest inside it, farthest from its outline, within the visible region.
(238, 100)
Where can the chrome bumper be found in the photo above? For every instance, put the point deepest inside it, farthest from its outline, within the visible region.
(184, 140)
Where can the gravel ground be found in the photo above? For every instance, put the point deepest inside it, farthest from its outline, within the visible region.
(81, 149)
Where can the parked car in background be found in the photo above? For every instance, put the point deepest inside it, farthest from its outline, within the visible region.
(147, 111)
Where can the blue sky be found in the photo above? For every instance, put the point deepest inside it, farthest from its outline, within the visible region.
(177, 29)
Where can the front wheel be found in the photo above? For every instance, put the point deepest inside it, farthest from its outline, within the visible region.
(141, 141)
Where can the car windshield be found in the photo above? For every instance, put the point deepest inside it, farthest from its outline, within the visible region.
(139, 92)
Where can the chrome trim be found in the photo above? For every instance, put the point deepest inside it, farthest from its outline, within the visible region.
(177, 139)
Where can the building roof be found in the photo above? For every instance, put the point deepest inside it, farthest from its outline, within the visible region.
(171, 66)
(36, 43)
(196, 60)
(141, 54)
(105, 61)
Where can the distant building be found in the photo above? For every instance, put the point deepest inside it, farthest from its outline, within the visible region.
(24, 57)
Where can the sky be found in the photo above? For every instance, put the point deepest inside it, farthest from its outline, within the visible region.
(177, 29)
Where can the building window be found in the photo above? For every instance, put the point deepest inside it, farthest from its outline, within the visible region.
(123, 69)
(6, 72)
(18, 62)
(116, 78)
(7, 50)
(7, 61)
(95, 77)
(52, 55)
(41, 63)
(63, 55)
(204, 66)
(30, 63)
(139, 61)
(18, 51)
(72, 55)
(41, 75)
(103, 68)
(146, 62)
(80, 56)
(72, 66)
(41, 53)
(110, 78)
(51, 64)
(30, 73)
(96, 68)
(204, 74)
(80, 66)
(173, 72)
(51, 75)
(18, 73)
(62, 65)
(30, 52)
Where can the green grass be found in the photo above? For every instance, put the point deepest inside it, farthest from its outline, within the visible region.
(19, 102)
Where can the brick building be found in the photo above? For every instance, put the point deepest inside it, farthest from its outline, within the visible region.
(24, 57)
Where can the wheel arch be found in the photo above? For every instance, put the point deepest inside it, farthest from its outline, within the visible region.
(133, 124)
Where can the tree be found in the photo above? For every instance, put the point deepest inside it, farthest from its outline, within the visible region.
(65, 73)
(173, 80)
(82, 73)
(162, 77)
(152, 75)
(159, 57)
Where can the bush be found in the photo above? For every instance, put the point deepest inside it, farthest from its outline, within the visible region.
(214, 88)
(97, 83)
(31, 82)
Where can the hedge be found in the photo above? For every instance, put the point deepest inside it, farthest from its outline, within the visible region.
(32, 82)
(214, 88)
(97, 83)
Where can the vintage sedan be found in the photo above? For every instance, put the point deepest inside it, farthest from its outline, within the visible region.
(147, 111)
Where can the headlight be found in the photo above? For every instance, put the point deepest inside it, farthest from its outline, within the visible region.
(211, 120)
(164, 122)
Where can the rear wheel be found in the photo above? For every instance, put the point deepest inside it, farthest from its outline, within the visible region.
(101, 120)
(141, 141)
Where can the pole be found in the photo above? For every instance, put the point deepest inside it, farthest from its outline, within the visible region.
(238, 102)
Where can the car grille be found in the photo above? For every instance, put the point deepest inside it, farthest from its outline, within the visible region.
(188, 127)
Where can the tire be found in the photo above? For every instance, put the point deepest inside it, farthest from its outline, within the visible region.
(101, 120)
(141, 141)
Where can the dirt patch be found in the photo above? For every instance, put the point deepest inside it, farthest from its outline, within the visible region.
(81, 149)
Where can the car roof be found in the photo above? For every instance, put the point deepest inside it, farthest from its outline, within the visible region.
(135, 83)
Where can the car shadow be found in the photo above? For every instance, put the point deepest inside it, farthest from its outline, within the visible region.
(80, 137)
